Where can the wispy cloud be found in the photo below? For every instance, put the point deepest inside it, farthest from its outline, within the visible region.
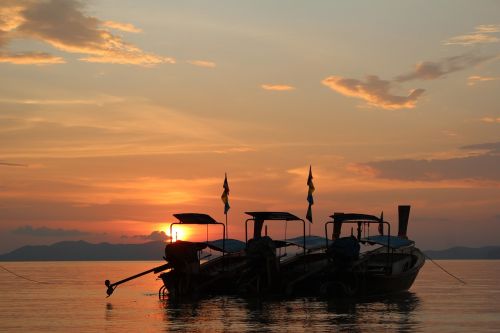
(10, 16)
(10, 164)
(482, 34)
(489, 147)
(30, 58)
(157, 235)
(488, 28)
(449, 133)
(471, 39)
(119, 131)
(475, 79)
(48, 232)
(375, 91)
(127, 27)
(431, 70)
(64, 25)
(491, 120)
(202, 63)
(277, 87)
(101, 100)
(482, 164)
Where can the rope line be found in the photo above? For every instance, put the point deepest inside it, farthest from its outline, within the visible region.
(444, 270)
(23, 277)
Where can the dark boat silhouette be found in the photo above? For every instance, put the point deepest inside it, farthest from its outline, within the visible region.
(389, 264)
(187, 274)
(330, 266)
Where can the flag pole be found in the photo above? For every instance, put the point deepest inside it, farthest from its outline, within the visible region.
(227, 229)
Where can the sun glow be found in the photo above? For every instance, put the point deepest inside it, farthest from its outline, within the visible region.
(178, 233)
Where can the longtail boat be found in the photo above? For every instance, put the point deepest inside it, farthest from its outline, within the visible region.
(330, 266)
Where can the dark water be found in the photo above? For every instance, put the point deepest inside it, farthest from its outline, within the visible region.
(75, 302)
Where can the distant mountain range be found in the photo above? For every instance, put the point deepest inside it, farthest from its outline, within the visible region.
(460, 252)
(81, 250)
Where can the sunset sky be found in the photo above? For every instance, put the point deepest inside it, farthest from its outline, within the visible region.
(116, 114)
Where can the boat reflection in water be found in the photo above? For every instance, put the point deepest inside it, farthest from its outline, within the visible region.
(329, 267)
(396, 313)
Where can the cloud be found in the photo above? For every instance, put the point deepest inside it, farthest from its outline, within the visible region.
(488, 28)
(30, 209)
(489, 147)
(157, 235)
(48, 232)
(64, 25)
(449, 133)
(491, 120)
(46, 129)
(31, 58)
(127, 27)
(431, 70)
(277, 87)
(99, 101)
(10, 16)
(471, 39)
(481, 165)
(482, 34)
(374, 91)
(202, 63)
(10, 164)
(474, 79)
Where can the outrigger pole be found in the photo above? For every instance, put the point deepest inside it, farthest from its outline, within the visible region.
(112, 286)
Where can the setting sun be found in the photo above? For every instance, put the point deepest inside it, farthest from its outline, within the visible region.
(178, 233)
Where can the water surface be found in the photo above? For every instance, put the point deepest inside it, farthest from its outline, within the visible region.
(75, 301)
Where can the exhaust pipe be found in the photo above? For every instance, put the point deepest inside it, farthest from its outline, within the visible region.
(404, 214)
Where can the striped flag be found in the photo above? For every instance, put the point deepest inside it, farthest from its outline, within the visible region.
(225, 195)
(310, 198)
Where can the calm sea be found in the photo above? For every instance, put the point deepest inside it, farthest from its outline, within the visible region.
(75, 301)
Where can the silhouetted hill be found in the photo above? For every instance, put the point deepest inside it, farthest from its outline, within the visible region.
(81, 250)
(460, 252)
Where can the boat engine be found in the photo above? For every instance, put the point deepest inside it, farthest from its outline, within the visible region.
(344, 251)
(262, 265)
(183, 258)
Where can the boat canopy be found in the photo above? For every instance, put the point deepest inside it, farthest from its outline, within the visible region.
(393, 242)
(312, 242)
(258, 219)
(195, 218)
(341, 217)
(230, 246)
(235, 245)
(271, 216)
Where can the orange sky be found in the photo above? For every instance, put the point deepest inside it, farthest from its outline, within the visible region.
(114, 115)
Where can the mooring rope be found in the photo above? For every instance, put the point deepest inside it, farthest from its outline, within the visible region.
(444, 270)
(23, 277)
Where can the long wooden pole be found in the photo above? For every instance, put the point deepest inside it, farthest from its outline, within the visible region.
(227, 229)
(112, 286)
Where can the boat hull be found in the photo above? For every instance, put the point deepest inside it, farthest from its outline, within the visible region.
(355, 281)
(312, 275)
